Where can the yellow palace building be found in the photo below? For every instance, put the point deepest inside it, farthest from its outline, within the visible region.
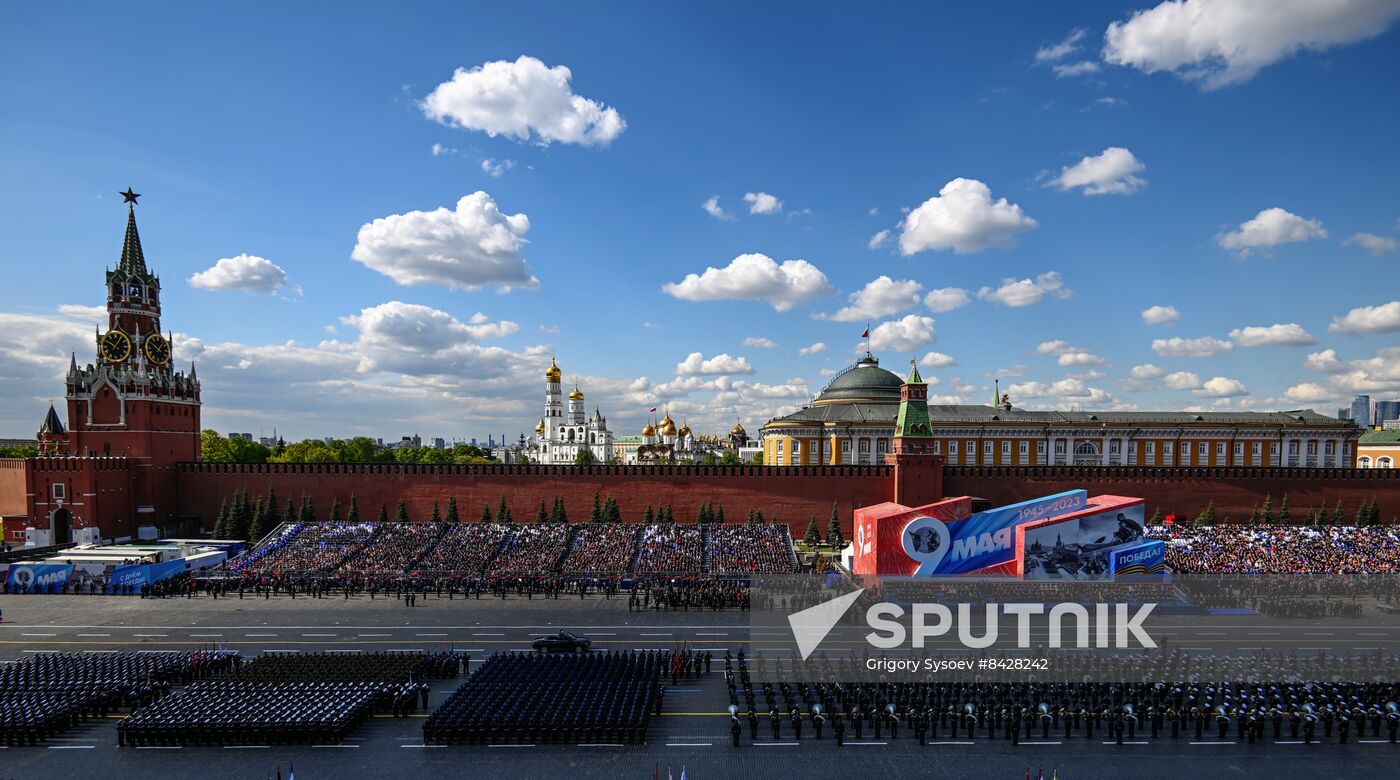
(852, 421)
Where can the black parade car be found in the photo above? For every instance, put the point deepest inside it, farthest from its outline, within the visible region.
(564, 640)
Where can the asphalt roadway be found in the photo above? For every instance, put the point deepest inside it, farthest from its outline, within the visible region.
(692, 731)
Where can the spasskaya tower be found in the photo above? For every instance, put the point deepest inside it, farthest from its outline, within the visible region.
(131, 402)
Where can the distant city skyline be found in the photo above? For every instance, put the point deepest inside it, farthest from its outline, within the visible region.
(353, 240)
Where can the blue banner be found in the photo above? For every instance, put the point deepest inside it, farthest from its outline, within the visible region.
(982, 539)
(137, 575)
(39, 577)
(1144, 561)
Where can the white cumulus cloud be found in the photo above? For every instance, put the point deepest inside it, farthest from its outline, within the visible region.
(467, 247)
(761, 342)
(1270, 228)
(812, 349)
(1181, 380)
(496, 169)
(1220, 42)
(903, 335)
(1368, 319)
(1160, 315)
(523, 100)
(248, 273)
(762, 203)
(754, 277)
(1026, 292)
(937, 360)
(1325, 362)
(1376, 245)
(1284, 334)
(712, 207)
(962, 217)
(1309, 392)
(878, 240)
(1220, 387)
(1111, 172)
(947, 299)
(1146, 371)
(1205, 346)
(722, 364)
(882, 297)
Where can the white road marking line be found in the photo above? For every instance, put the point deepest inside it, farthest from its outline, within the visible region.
(329, 635)
(721, 633)
(368, 635)
(689, 744)
(150, 635)
(599, 744)
(1048, 743)
(474, 634)
(335, 746)
(1318, 633)
(777, 744)
(1264, 633)
(38, 634)
(71, 747)
(94, 634)
(160, 747)
(667, 633)
(886, 743)
(260, 635)
(430, 634)
(246, 747)
(1106, 742)
(501, 746)
(206, 635)
(1210, 743)
(945, 742)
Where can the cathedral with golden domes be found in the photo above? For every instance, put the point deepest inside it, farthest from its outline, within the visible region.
(560, 436)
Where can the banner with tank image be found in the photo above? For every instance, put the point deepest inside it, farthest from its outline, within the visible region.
(1078, 546)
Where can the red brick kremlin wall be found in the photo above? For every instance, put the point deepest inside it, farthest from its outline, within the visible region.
(792, 495)
(1187, 490)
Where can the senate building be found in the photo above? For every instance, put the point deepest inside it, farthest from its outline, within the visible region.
(853, 420)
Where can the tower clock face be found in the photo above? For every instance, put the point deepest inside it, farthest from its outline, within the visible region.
(115, 346)
(157, 349)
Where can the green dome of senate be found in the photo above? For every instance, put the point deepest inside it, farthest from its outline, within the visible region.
(865, 381)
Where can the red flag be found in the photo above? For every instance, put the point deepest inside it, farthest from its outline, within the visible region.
(865, 334)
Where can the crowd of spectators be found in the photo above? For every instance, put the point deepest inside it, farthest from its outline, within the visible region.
(532, 548)
(395, 547)
(601, 547)
(466, 547)
(1280, 550)
(310, 547)
(678, 548)
(735, 549)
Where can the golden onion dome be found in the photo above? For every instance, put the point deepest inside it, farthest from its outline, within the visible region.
(666, 420)
(668, 427)
(650, 430)
(738, 428)
(576, 395)
(685, 429)
(553, 373)
(540, 428)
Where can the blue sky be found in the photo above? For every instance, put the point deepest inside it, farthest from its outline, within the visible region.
(1244, 190)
